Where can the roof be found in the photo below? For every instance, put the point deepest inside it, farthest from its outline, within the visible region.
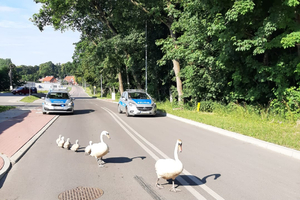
(49, 79)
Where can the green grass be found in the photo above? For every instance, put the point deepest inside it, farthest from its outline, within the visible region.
(271, 129)
(5, 108)
(30, 99)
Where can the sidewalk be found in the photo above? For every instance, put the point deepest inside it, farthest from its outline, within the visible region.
(19, 129)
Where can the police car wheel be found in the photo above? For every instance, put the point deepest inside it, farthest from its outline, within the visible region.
(127, 112)
(119, 109)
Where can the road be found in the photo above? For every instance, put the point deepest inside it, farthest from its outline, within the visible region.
(215, 166)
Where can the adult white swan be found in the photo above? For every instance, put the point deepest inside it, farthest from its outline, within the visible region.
(98, 150)
(169, 168)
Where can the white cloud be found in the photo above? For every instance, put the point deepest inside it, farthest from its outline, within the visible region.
(8, 9)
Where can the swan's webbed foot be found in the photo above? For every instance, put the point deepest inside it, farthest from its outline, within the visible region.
(100, 162)
(174, 189)
(158, 185)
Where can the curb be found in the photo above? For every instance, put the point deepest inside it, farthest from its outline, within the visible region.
(18, 155)
(267, 145)
(6, 165)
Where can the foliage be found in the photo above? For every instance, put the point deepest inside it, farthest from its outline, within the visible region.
(5, 108)
(30, 99)
(245, 120)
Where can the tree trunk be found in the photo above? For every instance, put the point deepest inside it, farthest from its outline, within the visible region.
(176, 68)
(120, 83)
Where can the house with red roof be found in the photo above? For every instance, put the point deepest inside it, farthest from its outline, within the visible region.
(49, 79)
(70, 80)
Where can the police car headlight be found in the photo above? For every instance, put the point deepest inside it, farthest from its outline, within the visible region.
(47, 103)
(70, 104)
(131, 104)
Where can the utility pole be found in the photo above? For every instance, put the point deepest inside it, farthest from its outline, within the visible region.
(146, 57)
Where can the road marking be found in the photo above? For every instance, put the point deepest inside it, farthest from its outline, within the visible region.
(185, 184)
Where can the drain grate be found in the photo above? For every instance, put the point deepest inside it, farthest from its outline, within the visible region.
(81, 193)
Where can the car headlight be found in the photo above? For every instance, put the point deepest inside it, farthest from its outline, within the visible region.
(131, 104)
(70, 104)
(47, 103)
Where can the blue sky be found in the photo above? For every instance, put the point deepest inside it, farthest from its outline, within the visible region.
(24, 43)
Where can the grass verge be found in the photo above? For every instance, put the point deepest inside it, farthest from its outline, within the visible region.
(5, 108)
(274, 130)
(29, 99)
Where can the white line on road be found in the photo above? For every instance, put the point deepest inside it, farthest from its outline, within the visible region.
(181, 180)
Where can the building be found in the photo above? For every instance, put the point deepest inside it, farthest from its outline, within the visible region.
(49, 79)
(70, 80)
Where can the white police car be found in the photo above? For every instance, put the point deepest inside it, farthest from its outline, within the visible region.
(136, 102)
(58, 101)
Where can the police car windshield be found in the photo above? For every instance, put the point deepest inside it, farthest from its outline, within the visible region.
(137, 95)
(57, 95)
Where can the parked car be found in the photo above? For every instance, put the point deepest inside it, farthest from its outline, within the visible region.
(33, 90)
(20, 90)
(24, 90)
(58, 101)
(136, 102)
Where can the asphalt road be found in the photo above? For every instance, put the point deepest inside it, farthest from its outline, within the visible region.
(215, 166)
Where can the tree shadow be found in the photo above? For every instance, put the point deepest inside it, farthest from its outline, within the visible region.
(122, 159)
(9, 122)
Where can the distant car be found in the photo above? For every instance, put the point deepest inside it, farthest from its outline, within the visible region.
(58, 101)
(24, 90)
(21, 90)
(136, 102)
(33, 90)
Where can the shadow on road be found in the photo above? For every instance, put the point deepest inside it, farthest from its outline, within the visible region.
(122, 159)
(194, 180)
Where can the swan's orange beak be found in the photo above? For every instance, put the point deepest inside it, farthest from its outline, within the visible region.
(180, 147)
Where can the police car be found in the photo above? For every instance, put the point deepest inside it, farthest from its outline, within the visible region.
(136, 102)
(58, 101)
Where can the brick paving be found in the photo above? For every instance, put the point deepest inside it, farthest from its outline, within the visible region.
(18, 130)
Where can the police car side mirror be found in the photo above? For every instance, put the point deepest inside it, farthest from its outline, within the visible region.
(72, 98)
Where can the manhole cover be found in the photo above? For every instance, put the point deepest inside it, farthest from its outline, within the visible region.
(81, 193)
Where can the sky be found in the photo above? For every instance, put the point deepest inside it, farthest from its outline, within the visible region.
(23, 43)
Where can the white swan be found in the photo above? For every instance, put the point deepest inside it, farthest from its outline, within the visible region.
(88, 149)
(67, 144)
(61, 142)
(75, 146)
(98, 150)
(58, 139)
(169, 168)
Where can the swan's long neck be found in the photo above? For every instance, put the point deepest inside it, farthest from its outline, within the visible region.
(101, 137)
(176, 152)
